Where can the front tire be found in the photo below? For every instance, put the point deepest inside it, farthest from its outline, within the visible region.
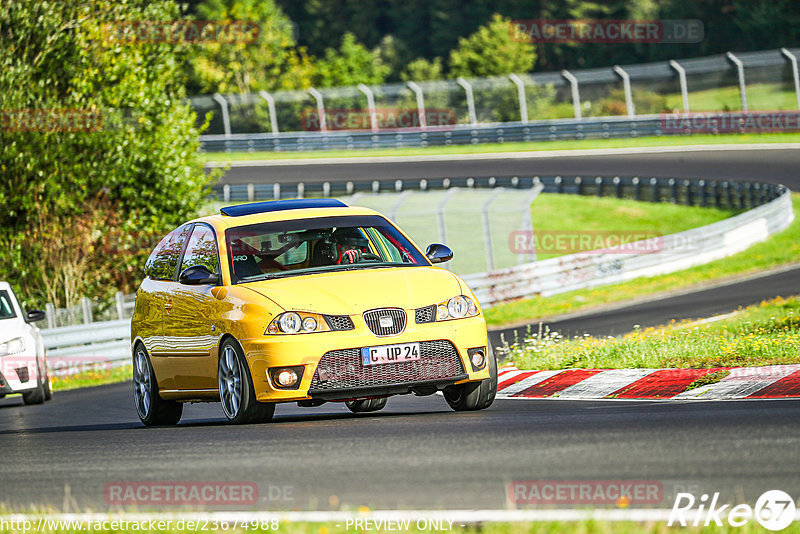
(152, 409)
(474, 395)
(236, 388)
(366, 405)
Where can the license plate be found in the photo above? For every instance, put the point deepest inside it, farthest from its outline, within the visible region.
(402, 352)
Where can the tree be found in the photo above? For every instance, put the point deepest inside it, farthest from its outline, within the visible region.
(421, 70)
(491, 51)
(98, 150)
(351, 64)
(272, 62)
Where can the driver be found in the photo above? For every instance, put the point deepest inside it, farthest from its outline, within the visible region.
(351, 245)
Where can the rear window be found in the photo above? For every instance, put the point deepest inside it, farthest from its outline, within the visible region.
(162, 262)
(6, 308)
(286, 248)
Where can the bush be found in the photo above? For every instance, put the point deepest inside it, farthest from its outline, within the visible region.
(83, 202)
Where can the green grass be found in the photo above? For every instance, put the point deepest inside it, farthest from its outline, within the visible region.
(760, 96)
(780, 249)
(532, 146)
(765, 334)
(87, 379)
(573, 217)
(541, 527)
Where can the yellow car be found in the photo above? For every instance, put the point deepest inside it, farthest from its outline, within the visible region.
(304, 301)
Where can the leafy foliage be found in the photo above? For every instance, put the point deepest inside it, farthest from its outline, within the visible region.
(351, 64)
(272, 62)
(491, 51)
(82, 204)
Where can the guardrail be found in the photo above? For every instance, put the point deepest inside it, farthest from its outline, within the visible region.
(668, 254)
(768, 210)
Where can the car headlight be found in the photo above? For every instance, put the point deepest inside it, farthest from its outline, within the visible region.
(457, 307)
(297, 323)
(13, 346)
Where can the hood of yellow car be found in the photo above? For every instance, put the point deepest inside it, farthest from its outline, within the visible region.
(353, 292)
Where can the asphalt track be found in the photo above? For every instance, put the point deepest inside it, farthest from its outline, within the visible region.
(417, 453)
(773, 165)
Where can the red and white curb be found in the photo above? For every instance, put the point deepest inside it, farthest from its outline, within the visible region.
(774, 381)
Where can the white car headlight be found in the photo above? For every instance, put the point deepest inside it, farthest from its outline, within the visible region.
(13, 346)
(457, 307)
(297, 323)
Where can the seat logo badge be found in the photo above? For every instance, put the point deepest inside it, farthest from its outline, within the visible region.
(386, 321)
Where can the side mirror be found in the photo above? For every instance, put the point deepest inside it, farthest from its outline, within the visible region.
(34, 316)
(198, 275)
(437, 253)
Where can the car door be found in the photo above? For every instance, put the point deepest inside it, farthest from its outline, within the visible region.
(190, 331)
(151, 301)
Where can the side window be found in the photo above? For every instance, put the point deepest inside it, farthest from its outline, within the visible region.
(162, 262)
(201, 250)
(6, 308)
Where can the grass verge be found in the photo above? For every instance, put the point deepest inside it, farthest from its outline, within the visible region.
(533, 146)
(765, 334)
(539, 527)
(780, 249)
(97, 377)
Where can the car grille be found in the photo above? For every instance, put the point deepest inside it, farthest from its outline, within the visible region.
(342, 369)
(426, 314)
(373, 320)
(339, 322)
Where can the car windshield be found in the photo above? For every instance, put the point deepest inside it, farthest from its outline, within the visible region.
(301, 246)
(6, 309)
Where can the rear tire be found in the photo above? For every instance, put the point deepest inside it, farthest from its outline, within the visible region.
(474, 395)
(366, 405)
(34, 396)
(152, 409)
(236, 388)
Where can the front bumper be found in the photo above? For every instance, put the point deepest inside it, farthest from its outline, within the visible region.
(18, 373)
(444, 362)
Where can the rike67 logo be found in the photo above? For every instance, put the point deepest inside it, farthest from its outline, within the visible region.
(774, 510)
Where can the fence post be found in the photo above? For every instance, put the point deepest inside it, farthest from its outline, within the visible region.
(527, 223)
(626, 85)
(793, 59)
(742, 87)
(323, 125)
(654, 186)
(576, 97)
(470, 100)
(50, 313)
(119, 301)
(673, 191)
(400, 200)
(373, 116)
(273, 118)
(682, 79)
(226, 119)
(440, 216)
(523, 103)
(226, 192)
(637, 188)
(86, 308)
(276, 191)
(251, 192)
(487, 230)
(423, 121)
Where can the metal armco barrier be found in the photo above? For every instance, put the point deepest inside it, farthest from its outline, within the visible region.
(549, 130)
(669, 254)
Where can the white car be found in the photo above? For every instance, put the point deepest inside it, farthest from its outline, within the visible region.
(23, 366)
